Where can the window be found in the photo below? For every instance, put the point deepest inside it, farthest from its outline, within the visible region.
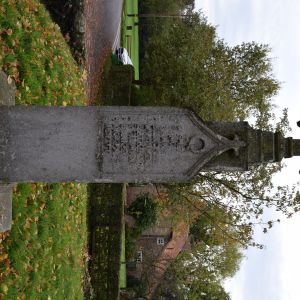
(139, 256)
(160, 241)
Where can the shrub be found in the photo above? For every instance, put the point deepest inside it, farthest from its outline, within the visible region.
(144, 210)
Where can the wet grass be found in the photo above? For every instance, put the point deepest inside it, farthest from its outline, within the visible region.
(43, 253)
(122, 281)
(43, 256)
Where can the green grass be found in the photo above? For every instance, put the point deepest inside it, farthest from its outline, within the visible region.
(123, 249)
(130, 33)
(43, 256)
(45, 244)
(34, 53)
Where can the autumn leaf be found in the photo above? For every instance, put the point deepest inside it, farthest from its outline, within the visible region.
(4, 288)
(3, 256)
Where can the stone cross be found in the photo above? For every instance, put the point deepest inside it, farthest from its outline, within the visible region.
(122, 144)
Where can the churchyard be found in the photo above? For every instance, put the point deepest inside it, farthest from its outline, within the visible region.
(67, 239)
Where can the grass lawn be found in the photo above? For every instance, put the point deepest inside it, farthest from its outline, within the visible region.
(43, 256)
(123, 250)
(130, 33)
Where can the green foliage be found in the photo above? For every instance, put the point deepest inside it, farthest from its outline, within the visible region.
(167, 6)
(116, 84)
(144, 210)
(215, 226)
(131, 237)
(172, 289)
(137, 288)
(202, 72)
(222, 83)
(198, 273)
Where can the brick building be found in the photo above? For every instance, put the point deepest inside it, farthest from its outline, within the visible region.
(157, 246)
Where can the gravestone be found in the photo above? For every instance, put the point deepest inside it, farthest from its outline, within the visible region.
(7, 97)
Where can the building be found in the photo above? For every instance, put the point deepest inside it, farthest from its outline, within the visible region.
(158, 246)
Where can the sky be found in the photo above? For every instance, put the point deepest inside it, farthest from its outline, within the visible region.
(273, 273)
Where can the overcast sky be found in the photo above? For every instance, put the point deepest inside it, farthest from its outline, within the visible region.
(273, 273)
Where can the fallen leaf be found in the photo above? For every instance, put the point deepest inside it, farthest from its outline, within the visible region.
(3, 256)
(9, 80)
(4, 288)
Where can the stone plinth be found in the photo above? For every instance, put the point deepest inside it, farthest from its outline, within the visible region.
(7, 97)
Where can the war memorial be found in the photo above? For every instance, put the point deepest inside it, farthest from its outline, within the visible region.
(121, 144)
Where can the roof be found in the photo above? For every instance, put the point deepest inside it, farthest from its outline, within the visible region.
(169, 253)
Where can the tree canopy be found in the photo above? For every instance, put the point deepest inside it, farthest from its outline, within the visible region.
(198, 273)
(185, 64)
(201, 71)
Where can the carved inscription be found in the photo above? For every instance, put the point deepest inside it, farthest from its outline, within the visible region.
(140, 142)
(154, 144)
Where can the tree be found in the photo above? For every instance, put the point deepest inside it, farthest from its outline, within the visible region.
(198, 273)
(202, 72)
(144, 209)
(187, 65)
(220, 83)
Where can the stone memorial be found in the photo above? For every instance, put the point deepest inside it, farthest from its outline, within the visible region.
(125, 144)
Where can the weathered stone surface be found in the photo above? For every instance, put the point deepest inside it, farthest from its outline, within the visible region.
(49, 144)
(106, 144)
(262, 147)
(155, 144)
(7, 90)
(127, 144)
(7, 97)
(5, 207)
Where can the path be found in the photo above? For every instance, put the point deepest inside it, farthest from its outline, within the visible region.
(103, 19)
